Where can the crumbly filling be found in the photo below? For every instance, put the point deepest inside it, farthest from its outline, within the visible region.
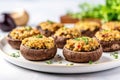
(51, 26)
(23, 32)
(39, 42)
(108, 35)
(82, 44)
(87, 25)
(111, 25)
(68, 32)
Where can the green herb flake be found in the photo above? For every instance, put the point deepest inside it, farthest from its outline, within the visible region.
(70, 64)
(115, 55)
(16, 55)
(49, 62)
(64, 28)
(105, 30)
(28, 28)
(51, 22)
(77, 39)
(85, 39)
(39, 36)
(90, 62)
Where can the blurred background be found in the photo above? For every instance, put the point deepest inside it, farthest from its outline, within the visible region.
(42, 10)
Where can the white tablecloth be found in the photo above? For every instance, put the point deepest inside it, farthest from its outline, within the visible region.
(41, 10)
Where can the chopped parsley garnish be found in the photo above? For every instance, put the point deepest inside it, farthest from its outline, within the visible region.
(64, 28)
(51, 22)
(70, 64)
(90, 62)
(49, 62)
(115, 55)
(16, 55)
(28, 28)
(39, 36)
(77, 39)
(105, 30)
(85, 39)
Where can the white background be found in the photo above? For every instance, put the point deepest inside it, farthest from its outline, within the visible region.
(41, 10)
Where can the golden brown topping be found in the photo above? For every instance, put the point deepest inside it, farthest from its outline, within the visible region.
(108, 35)
(51, 26)
(87, 25)
(39, 42)
(111, 25)
(82, 44)
(68, 32)
(23, 32)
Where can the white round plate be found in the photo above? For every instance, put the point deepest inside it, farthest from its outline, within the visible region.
(59, 64)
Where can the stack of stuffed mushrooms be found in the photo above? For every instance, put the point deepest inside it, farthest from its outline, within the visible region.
(82, 43)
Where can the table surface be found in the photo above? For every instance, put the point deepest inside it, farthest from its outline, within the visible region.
(41, 10)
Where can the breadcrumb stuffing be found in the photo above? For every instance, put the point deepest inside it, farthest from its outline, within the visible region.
(115, 25)
(23, 32)
(87, 25)
(51, 26)
(82, 44)
(68, 32)
(108, 35)
(38, 42)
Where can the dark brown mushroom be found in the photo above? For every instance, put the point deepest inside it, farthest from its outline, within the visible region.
(82, 57)
(14, 43)
(60, 41)
(37, 54)
(46, 33)
(109, 46)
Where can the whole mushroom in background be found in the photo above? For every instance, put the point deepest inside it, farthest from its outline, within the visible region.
(9, 21)
(6, 22)
(20, 17)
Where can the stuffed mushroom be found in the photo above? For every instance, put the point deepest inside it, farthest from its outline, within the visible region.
(113, 25)
(82, 49)
(15, 37)
(88, 28)
(48, 28)
(63, 34)
(109, 39)
(38, 48)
